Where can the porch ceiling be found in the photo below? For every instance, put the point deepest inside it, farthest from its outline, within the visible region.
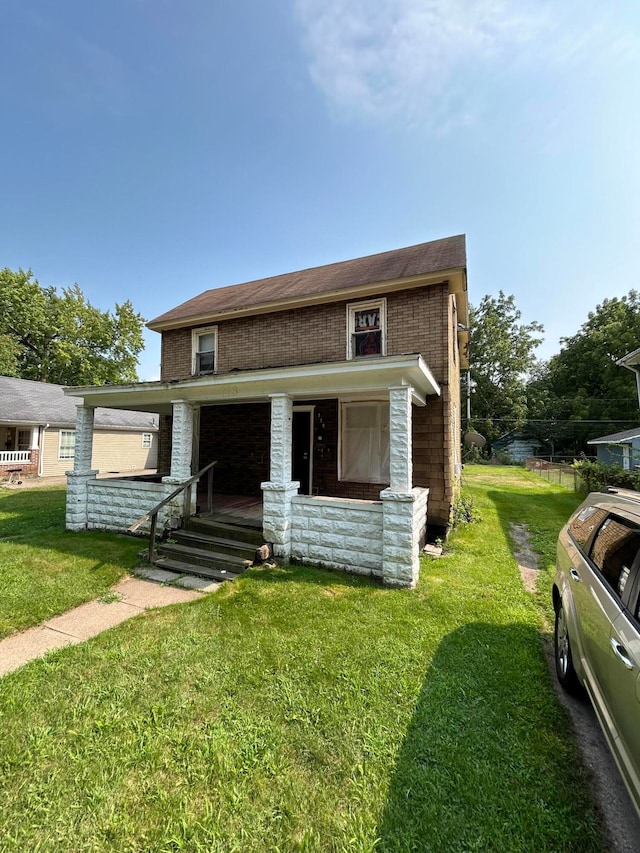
(309, 381)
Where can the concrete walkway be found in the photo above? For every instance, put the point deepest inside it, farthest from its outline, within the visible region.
(151, 588)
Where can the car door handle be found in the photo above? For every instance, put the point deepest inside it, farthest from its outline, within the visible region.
(621, 653)
(575, 575)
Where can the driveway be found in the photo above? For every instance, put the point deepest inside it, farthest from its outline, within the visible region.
(613, 801)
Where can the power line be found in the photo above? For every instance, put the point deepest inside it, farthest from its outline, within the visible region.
(556, 420)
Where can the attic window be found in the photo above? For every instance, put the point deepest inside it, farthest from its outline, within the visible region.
(366, 329)
(204, 346)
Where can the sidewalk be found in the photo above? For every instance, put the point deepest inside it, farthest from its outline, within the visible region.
(151, 588)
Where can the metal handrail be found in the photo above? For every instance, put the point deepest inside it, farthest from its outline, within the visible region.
(186, 488)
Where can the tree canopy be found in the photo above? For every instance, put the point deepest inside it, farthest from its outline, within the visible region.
(502, 353)
(583, 381)
(62, 338)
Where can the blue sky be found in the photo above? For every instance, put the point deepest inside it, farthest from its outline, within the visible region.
(152, 149)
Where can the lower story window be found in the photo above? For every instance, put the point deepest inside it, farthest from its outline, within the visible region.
(67, 447)
(147, 440)
(365, 442)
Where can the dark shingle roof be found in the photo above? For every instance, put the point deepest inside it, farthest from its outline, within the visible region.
(23, 401)
(617, 437)
(423, 259)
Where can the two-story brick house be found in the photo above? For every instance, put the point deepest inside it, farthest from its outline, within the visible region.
(330, 394)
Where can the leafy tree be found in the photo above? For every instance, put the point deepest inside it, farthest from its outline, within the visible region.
(502, 353)
(62, 338)
(583, 381)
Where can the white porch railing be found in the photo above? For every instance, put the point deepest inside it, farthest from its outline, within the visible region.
(10, 457)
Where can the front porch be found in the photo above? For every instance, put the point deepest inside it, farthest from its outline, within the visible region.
(341, 497)
(19, 449)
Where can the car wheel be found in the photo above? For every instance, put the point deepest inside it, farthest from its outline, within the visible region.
(564, 659)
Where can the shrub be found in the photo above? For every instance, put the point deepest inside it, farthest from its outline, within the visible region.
(463, 511)
(598, 475)
(501, 457)
(473, 455)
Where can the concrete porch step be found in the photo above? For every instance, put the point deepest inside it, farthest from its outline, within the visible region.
(183, 568)
(202, 557)
(228, 527)
(218, 544)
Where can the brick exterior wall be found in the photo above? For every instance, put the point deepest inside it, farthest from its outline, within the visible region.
(418, 320)
(29, 469)
(317, 334)
(164, 444)
(239, 438)
(454, 433)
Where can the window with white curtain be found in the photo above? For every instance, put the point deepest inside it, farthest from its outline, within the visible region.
(365, 442)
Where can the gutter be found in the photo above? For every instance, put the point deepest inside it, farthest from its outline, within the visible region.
(621, 363)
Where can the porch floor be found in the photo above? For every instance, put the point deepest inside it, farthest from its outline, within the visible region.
(245, 507)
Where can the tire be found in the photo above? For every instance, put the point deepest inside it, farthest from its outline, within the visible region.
(567, 675)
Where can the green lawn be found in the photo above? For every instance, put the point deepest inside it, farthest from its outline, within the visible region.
(298, 710)
(43, 569)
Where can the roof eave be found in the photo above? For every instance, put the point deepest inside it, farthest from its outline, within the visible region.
(348, 379)
(631, 360)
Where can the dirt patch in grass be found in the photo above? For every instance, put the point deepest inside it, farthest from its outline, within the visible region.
(527, 559)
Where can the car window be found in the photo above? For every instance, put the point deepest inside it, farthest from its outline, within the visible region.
(633, 587)
(584, 523)
(614, 550)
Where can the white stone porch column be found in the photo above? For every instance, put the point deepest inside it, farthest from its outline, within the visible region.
(34, 444)
(280, 489)
(78, 480)
(400, 443)
(403, 507)
(181, 443)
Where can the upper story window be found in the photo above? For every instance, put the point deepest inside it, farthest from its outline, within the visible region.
(366, 328)
(204, 350)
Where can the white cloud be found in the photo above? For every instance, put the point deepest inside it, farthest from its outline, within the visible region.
(422, 59)
(380, 57)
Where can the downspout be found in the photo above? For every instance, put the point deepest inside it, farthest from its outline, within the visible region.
(41, 449)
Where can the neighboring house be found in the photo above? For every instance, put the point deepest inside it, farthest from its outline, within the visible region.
(38, 432)
(632, 362)
(517, 445)
(621, 448)
(332, 394)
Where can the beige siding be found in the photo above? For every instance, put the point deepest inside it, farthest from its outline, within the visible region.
(119, 451)
(122, 451)
(51, 465)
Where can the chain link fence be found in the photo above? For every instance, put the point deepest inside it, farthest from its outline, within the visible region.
(556, 472)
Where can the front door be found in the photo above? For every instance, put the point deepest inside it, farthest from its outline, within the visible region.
(301, 450)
